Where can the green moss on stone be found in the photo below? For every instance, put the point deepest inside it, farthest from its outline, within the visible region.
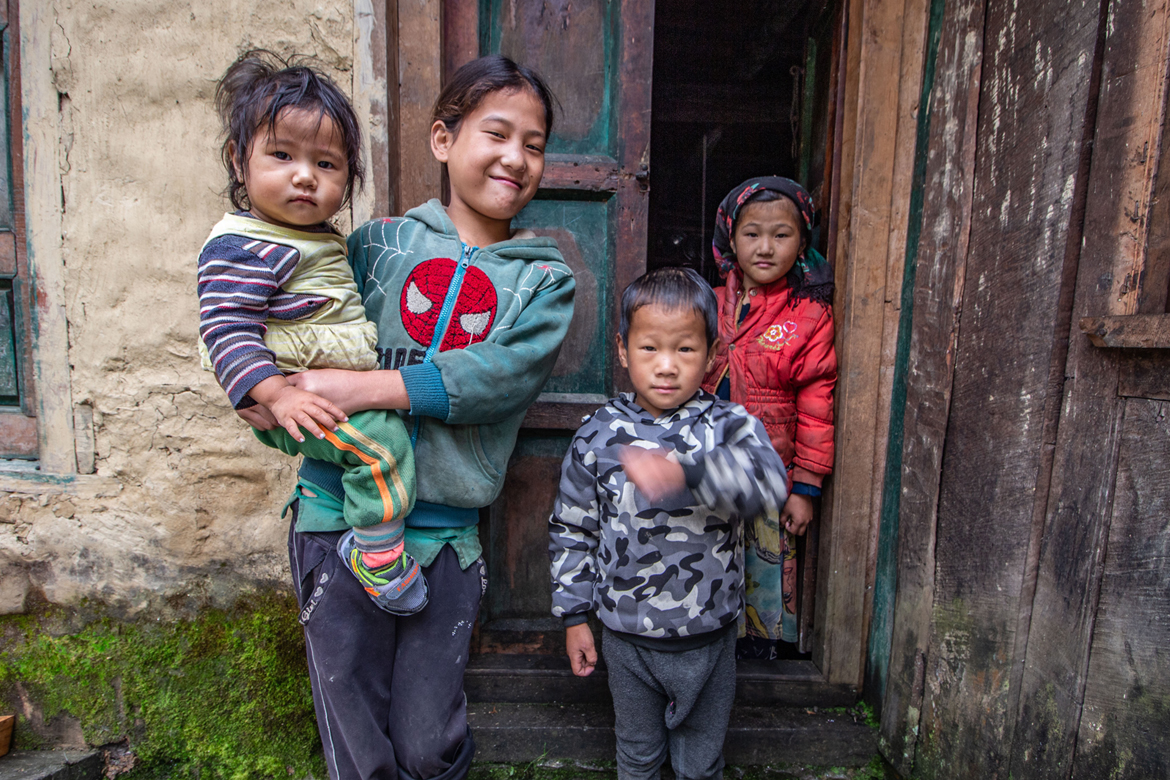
(223, 695)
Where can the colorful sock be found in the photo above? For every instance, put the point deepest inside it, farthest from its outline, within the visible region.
(378, 560)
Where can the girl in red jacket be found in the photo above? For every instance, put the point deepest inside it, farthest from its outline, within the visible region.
(776, 357)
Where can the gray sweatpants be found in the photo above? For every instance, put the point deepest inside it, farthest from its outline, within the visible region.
(681, 701)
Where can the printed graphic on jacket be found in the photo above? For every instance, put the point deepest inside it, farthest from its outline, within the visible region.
(674, 568)
(779, 335)
(422, 301)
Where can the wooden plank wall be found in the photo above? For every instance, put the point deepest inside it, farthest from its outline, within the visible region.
(1096, 421)
(937, 278)
(1033, 571)
(1037, 71)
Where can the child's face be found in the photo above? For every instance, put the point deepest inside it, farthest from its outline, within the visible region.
(666, 356)
(767, 241)
(296, 173)
(496, 159)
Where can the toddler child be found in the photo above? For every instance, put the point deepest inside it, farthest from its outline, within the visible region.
(776, 358)
(646, 531)
(276, 296)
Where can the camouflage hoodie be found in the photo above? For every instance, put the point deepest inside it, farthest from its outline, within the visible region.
(675, 569)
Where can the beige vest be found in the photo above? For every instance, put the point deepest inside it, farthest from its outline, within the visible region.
(337, 335)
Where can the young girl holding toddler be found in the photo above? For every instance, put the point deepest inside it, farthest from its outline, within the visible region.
(776, 358)
(470, 317)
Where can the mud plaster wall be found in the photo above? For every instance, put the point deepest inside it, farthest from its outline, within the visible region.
(194, 508)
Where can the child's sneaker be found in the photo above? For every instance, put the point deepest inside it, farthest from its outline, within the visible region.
(399, 588)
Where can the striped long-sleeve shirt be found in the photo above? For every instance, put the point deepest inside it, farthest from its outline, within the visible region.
(239, 282)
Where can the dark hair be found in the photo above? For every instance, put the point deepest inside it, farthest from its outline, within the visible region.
(479, 78)
(254, 91)
(795, 276)
(674, 289)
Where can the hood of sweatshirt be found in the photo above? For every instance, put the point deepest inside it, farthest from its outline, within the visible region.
(531, 249)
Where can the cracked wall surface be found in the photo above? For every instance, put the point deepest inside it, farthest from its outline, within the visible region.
(195, 508)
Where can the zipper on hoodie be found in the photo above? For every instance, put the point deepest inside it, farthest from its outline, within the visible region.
(445, 317)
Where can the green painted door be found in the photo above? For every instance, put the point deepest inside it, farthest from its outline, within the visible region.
(597, 58)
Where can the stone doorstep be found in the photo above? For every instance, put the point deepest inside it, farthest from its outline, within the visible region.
(51, 765)
(757, 736)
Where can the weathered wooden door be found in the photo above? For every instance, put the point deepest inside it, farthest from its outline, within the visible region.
(596, 56)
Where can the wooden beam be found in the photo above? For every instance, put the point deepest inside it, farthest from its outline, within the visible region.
(1134, 331)
(1134, 80)
(579, 172)
(936, 260)
(460, 34)
(375, 29)
(42, 197)
(879, 608)
(862, 268)
(833, 606)
(420, 73)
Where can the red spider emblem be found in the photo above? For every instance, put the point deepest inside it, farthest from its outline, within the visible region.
(422, 300)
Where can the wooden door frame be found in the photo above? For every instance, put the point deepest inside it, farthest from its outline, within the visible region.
(413, 45)
(881, 84)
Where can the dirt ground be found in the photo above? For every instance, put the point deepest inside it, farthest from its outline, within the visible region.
(876, 769)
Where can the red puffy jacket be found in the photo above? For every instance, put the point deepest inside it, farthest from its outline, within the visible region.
(783, 369)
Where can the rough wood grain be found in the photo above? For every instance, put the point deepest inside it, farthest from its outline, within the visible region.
(935, 272)
(633, 154)
(420, 72)
(1131, 331)
(1134, 65)
(1036, 79)
(1154, 296)
(460, 34)
(879, 609)
(591, 173)
(1146, 375)
(831, 609)
(861, 270)
(1081, 494)
(372, 104)
(1125, 726)
(42, 195)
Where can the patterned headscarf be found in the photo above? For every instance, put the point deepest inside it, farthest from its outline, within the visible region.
(815, 273)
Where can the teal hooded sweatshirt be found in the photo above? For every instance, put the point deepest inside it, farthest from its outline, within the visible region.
(475, 332)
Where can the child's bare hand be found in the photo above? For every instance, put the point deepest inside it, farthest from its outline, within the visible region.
(258, 417)
(582, 651)
(652, 472)
(294, 408)
(797, 514)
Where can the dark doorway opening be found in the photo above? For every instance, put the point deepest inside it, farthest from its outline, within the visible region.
(732, 99)
(741, 90)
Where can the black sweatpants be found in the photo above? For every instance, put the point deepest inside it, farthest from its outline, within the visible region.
(388, 690)
(680, 700)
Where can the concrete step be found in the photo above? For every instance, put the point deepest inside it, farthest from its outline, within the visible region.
(757, 736)
(546, 679)
(51, 765)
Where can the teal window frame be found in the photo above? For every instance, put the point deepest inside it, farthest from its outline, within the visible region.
(18, 430)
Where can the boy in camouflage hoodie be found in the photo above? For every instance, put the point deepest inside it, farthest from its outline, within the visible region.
(647, 532)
